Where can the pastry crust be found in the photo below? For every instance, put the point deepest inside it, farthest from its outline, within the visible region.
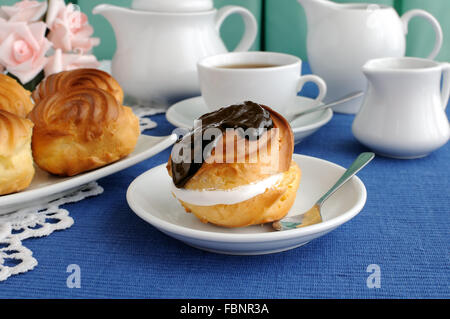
(80, 130)
(260, 163)
(270, 206)
(79, 78)
(16, 161)
(13, 97)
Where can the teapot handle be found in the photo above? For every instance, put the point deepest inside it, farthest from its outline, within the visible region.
(251, 26)
(407, 16)
(445, 84)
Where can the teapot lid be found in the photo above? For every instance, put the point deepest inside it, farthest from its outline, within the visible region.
(172, 5)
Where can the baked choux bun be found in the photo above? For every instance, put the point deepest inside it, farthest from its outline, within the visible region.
(85, 78)
(246, 175)
(16, 161)
(13, 97)
(80, 130)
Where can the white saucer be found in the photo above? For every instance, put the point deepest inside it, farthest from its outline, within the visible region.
(46, 187)
(183, 114)
(150, 198)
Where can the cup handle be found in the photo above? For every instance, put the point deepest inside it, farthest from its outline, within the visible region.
(318, 81)
(251, 26)
(407, 16)
(445, 84)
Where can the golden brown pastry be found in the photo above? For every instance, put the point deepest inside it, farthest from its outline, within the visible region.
(13, 97)
(267, 207)
(84, 78)
(254, 186)
(16, 161)
(82, 129)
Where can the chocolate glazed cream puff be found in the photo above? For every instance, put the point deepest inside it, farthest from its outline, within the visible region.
(236, 168)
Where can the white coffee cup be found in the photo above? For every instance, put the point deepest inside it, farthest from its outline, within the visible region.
(235, 77)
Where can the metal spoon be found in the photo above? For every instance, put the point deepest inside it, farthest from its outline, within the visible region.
(346, 98)
(314, 216)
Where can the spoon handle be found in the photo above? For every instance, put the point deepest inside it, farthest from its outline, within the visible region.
(346, 98)
(362, 160)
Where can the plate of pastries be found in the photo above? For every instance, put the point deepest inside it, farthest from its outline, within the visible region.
(71, 130)
(226, 200)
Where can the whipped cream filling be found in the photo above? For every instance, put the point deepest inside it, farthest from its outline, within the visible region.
(210, 197)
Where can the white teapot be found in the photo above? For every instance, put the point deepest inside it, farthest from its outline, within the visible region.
(160, 41)
(342, 37)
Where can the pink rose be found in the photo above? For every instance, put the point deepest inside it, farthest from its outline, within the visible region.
(54, 7)
(22, 48)
(65, 62)
(26, 11)
(69, 28)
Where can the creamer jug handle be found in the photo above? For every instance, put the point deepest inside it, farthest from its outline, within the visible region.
(445, 84)
(251, 26)
(407, 16)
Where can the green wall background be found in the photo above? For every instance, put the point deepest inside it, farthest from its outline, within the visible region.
(283, 25)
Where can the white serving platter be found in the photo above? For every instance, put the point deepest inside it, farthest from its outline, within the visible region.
(46, 187)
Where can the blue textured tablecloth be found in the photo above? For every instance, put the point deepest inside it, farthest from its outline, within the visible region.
(404, 228)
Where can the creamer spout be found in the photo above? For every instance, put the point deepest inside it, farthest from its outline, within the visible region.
(316, 9)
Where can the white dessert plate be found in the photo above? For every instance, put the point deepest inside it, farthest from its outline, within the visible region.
(46, 187)
(150, 198)
(183, 114)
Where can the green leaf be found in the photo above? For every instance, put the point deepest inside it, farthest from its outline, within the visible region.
(30, 86)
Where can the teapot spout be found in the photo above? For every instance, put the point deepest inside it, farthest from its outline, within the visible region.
(317, 9)
(120, 19)
(113, 14)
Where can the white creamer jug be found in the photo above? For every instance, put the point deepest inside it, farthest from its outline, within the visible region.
(403, 113)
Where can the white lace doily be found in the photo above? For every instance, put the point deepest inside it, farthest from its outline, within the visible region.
(142, 112)
(30, 223)
(12, 251)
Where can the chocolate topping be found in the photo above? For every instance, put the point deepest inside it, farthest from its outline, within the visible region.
(248, 115)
